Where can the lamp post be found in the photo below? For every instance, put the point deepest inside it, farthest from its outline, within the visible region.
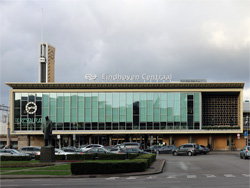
(247, 124)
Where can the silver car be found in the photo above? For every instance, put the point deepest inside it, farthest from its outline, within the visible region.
(61, 152)
(11, 152)
(245, 152)
(186, 149)
(31, 150)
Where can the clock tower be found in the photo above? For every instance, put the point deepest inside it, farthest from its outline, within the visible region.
(46, 63)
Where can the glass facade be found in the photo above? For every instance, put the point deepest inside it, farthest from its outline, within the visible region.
(109, 111)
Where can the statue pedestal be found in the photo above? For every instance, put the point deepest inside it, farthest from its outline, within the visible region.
(47, 154)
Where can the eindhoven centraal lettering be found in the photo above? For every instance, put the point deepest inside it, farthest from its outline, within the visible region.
(28, 120)
(144, 77)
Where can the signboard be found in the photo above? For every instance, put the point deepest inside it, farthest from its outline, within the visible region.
(245, 134)
(137, 77)
(238, 135)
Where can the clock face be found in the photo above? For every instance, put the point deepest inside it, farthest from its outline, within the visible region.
(31, 107)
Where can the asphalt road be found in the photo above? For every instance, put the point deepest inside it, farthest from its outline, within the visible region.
(220, 171)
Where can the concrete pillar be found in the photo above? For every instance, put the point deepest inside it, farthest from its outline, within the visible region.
(90, 139)
(210, 142)
(170, 140)
(130, 138)
(28, 140)
(145, 141)
(190, 139)
(110, 140)
(69, 140)
(230, 142)
(151, 140)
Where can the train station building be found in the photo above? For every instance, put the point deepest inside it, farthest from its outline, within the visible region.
(173, 113)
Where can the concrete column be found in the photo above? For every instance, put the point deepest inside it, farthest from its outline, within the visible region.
(130, 138)
(230, 142)
(110, 140)
(190, 139)
(90, 139)
(28, 140)
(210, 142)
(145, 141)
(170, 139)
(69, 140)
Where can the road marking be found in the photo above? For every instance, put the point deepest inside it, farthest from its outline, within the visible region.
(150, 177)
(171, 177)
(50, 184)
(131, 178)
(246, 175)
(210, 176)
(112, 178)
(229, 175)
(191, 176)
(9, 185)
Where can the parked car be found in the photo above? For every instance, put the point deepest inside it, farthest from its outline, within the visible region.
(12, 152)
(88, 147)
(153, 149)
(167, 149)
(186, 149)
(131, 150)
(97, 150)
(130, 145)
(114, 149)
(31, 150)
(203, 149)
(245, 152)
(71, 149)
(61, 152)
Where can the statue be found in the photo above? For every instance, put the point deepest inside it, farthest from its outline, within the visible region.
(47, 130)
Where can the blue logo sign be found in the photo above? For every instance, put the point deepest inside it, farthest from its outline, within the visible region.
(245, 133)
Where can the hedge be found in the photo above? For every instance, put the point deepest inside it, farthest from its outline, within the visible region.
(15, 158)
(108, 167)
(140, 163)
(149, 157)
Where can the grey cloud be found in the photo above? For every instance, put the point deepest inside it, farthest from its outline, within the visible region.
(195, 39)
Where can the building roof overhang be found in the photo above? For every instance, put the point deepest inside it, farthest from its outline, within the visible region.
(169, 85)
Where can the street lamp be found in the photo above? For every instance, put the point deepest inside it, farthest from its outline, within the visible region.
(247, 124)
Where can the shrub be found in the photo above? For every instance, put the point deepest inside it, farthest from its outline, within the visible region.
(108, 167)
(149, 157)
(15, 158)
(110, 156)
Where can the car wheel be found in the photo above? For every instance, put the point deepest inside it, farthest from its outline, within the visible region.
(241, 157)
(189, 153)
(245, 157)
(175, 153)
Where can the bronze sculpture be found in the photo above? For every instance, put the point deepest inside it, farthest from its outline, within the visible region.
(47, 130)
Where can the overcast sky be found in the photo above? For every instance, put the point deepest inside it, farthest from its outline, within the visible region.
(190, 39)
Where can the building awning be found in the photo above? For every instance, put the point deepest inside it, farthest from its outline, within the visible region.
(171, 85)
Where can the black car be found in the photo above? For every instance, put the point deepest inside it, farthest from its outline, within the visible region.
(131, 150)
(203, 149)
(167, 149)
(154, 149)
